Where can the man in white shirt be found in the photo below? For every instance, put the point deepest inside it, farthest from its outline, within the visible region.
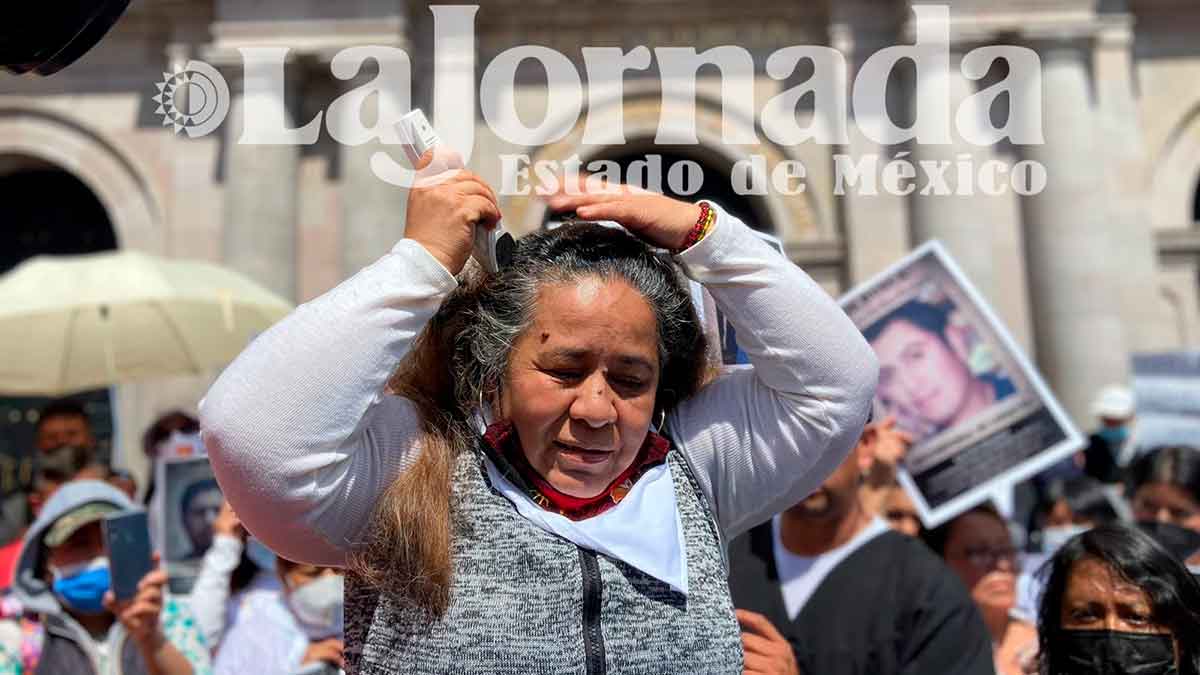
(846, 594)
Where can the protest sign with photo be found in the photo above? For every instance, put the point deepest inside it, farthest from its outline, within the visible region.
(980, 416)
(1166, 387)
(191, 501)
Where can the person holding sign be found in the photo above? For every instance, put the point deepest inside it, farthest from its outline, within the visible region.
(547, 483)
(883, 446)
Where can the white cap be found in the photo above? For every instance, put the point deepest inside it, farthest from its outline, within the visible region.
(1114, 402)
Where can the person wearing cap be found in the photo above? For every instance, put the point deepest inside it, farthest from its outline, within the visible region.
(70, 621)
(1114, 408)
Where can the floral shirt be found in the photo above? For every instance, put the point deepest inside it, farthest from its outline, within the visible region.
(181, 629)
(21, 638)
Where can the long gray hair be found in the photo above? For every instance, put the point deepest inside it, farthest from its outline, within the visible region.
(462, 357)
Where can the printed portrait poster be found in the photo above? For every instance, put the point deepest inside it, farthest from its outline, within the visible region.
(191, 502)
(1166, 387)
(980, 415)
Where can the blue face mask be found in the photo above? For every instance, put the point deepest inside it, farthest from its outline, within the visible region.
(82, 587)
(1114, 436)
(259, 554)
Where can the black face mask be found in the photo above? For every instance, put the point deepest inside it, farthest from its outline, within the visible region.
(63, 462)
(1180, 541)
(1108, 652)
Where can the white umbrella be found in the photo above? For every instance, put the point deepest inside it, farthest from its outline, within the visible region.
(70, 323)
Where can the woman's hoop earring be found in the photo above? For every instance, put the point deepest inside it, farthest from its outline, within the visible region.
(485, 413)
(662, 420)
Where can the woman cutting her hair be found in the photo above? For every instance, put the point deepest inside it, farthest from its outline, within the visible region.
(526, 472)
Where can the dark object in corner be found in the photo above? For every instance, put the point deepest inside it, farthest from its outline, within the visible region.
(45, 37)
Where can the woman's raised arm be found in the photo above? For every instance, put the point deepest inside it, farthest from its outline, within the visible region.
(764, 437)
(302, 436)
(300, 432)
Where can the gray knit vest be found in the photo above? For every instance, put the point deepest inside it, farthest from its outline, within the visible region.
(524, 601)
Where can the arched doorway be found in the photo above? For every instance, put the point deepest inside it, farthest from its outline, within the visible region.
(714, 181)
(46, 211)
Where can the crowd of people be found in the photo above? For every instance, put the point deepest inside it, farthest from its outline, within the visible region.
(432, 471)
(248, 610)
(1101, 579)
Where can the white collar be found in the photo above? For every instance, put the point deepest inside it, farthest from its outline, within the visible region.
(801, 576)
(643, 530)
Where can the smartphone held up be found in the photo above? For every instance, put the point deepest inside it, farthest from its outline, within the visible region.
(127, 537)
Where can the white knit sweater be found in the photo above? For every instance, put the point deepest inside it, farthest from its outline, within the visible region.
(304, 439)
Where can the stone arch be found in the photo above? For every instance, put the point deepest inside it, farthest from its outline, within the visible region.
(1182, 312)
(120, 185)
(48, 210)
(1176, 175)
(791, 218)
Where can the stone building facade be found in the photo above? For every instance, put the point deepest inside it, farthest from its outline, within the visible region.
(1102, 263)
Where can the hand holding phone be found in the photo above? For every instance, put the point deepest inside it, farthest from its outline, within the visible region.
(127, 536)
(493, 246)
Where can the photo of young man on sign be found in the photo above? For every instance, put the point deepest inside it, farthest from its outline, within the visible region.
(954, 379)
(935, 369)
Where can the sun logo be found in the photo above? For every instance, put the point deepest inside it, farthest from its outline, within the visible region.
(194, 98)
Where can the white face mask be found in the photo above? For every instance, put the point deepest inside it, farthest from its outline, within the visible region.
(1053, 538)
(100, 562)
(318, 606)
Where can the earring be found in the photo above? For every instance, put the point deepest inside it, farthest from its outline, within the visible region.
(662, 420)
(485, 414)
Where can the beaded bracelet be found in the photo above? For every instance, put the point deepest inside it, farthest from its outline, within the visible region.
(703, 224)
